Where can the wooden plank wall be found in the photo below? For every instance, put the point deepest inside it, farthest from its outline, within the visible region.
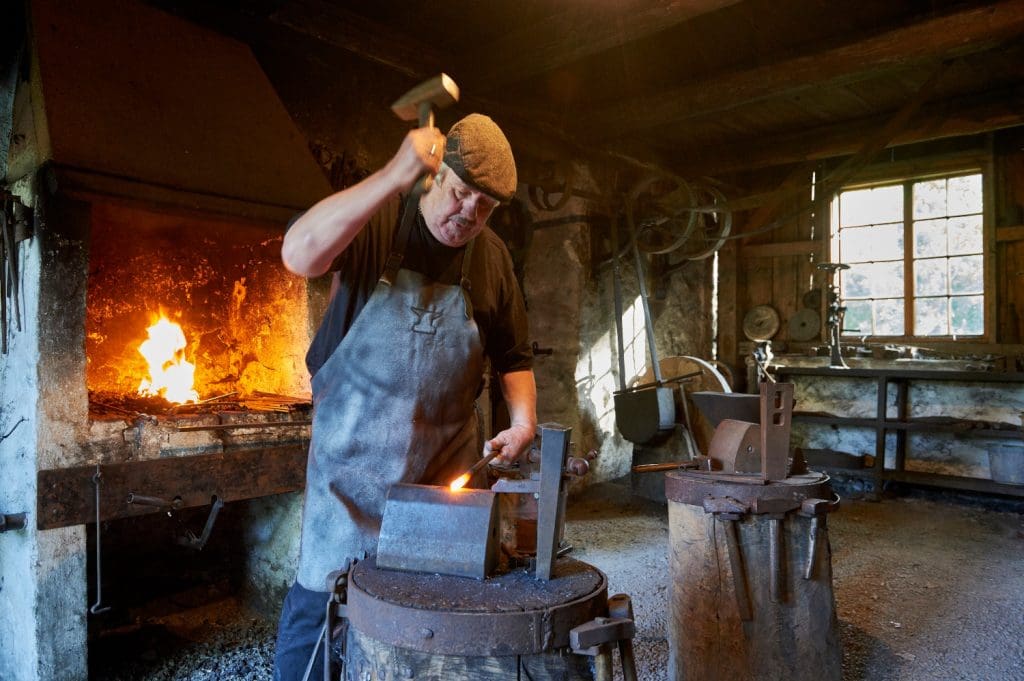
(776, 267)
(1009, 215)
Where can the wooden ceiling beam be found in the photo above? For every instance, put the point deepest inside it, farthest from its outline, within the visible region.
(368, 39)
(951, 35)
(955, 117)
(577, 32)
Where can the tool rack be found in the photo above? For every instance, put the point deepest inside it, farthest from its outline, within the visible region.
(901, 425)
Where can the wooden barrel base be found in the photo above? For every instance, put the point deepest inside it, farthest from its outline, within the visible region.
(407, 625)
(370, 660)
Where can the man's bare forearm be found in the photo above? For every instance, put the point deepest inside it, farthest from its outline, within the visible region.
(329, 227)
(520, 392)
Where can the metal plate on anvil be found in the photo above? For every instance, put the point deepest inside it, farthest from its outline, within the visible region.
(761, 323)
(427, 528)
(509, 614)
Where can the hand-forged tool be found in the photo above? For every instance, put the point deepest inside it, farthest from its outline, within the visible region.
(730, 510)
(817, 510)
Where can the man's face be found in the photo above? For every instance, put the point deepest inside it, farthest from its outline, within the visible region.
(454, 211)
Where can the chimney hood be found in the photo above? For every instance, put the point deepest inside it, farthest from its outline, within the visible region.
(121, 99)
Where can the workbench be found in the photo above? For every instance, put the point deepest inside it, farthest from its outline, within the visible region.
(894, 418)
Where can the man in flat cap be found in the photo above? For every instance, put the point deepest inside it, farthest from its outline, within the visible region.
(416, 307)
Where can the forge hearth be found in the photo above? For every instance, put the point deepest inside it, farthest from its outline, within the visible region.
(220, 280)
(158, 169)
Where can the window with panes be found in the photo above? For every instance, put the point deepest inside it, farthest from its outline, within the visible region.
(915, 250)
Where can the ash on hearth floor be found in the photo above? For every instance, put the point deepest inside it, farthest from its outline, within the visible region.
(216, 642)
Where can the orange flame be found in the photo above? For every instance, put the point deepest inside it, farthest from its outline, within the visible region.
(170, 375)
(459, 482)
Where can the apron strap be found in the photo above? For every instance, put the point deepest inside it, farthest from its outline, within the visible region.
(464, 283)
(401, 242)
(394, 261)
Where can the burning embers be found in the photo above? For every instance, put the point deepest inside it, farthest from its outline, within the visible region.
(171, 376)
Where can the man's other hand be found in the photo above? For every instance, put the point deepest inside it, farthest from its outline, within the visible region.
(512, 442)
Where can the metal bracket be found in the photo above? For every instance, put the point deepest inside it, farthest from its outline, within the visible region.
(550, 493)
(587, 638)
(336, 625)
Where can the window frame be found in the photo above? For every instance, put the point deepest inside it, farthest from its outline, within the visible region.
(905, 174)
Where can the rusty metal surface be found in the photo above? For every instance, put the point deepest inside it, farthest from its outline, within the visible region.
(776, 423)
(510, 614)
(66, 495)
(643, 414)
(692, 487)
(736, 445)
(716, 407)
(428, 528)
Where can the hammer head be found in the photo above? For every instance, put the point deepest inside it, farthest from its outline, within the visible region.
(436, 93)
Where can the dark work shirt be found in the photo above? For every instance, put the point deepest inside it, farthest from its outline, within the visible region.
(498, 307)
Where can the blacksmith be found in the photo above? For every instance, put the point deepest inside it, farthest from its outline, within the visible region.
(400, 355)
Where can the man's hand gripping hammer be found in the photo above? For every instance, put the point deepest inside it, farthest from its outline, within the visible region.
(419, 104)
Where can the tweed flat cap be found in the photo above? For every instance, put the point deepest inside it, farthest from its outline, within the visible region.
(479, 153)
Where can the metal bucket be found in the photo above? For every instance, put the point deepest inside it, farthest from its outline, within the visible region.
(1006, 462)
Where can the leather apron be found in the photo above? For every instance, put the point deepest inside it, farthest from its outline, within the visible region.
(393, 403)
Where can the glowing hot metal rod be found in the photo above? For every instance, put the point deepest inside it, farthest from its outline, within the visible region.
(460, 482)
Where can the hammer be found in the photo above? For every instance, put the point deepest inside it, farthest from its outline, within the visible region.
(419, 103)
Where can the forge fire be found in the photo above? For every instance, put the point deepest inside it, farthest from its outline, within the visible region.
(188, 308)
(171, 376)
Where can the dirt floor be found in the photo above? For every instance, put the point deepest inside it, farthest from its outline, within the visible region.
(927, 586)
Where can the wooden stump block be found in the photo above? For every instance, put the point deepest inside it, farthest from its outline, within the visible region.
(796, 639)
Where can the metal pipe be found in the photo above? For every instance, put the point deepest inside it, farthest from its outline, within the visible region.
(12, 521)
(617, 288)
(603, 663)
(642, 283)
(157, 502)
